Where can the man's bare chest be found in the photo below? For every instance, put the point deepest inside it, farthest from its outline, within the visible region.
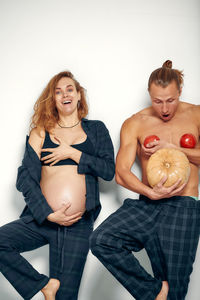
(169, 131)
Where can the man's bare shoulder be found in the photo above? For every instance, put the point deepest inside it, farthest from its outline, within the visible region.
(190, 109)
(196, 113)
(195, 108)
(138, 118)
(131, 128)
(185, 106)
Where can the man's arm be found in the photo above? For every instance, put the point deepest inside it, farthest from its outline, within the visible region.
(125, 159)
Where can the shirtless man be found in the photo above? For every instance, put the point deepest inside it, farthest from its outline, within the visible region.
(165, 221)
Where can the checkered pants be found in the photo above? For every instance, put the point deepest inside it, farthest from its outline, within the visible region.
(68, 250)
(169, 231)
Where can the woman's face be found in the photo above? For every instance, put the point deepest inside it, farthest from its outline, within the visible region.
(66, 96)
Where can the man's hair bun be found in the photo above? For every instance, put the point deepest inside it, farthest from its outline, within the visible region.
(167, 64)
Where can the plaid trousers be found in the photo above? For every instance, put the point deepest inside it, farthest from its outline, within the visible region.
(169, 231)
(68, 249)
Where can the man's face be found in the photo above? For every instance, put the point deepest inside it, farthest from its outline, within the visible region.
(165, 100)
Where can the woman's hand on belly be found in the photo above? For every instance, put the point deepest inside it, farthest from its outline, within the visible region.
(61, 218)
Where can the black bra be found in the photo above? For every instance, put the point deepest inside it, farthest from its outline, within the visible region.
(85, 147)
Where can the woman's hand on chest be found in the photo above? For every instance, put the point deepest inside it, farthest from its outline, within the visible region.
(63, 151)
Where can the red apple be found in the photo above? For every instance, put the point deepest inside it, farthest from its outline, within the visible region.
(188, 140)
(149, 139)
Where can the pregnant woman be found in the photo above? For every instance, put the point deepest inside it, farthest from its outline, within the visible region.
(64, 156)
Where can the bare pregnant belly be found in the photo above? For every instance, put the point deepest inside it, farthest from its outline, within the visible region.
(61, 185)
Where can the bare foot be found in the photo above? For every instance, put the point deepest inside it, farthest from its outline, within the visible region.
(164, 291)
(49, 291)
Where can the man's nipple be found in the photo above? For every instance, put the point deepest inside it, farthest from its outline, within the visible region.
(188, 140)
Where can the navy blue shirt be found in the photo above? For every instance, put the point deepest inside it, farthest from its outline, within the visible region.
(99, 164)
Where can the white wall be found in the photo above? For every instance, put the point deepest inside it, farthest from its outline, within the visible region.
(111, 46)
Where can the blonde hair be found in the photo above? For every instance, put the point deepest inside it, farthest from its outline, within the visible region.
(165, 75)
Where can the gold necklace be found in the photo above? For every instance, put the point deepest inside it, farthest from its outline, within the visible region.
(68, 126)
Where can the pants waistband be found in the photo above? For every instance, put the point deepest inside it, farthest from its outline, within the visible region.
(179, 201)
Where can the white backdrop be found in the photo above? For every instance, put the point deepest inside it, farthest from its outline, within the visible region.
(111, 46)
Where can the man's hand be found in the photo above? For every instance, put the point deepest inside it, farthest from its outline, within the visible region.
(61, 218)
(155, 146)
(159, 191)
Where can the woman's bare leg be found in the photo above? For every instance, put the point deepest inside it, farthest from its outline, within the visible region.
(49, 291)
(164, 291)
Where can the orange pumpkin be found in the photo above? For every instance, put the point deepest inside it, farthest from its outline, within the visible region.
(170, 162)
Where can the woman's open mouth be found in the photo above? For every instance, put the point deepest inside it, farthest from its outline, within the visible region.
(67, 102)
